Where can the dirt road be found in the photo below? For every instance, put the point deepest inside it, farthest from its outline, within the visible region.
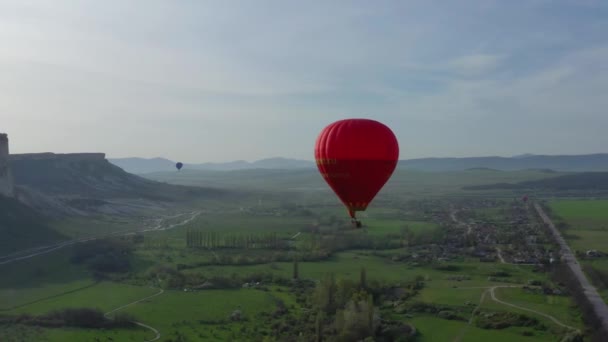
(157, 337)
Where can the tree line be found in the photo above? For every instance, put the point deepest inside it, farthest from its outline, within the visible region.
(202, 239)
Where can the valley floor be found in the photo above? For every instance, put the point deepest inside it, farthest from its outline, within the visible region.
(173, 289)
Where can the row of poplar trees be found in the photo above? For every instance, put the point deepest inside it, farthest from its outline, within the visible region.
(201, 239)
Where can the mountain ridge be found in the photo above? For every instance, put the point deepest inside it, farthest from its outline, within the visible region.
(565, 163)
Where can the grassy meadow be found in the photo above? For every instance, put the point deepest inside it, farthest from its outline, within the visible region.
(287, 204)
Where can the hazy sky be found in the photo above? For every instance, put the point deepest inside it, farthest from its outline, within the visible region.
(223, 80)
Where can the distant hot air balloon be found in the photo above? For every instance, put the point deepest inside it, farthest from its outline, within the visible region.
(179, 166)
(356, 157)
(525, 198)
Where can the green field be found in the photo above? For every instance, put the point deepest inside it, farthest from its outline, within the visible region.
(384, 227)
(36, 279)
(105, 296)
(588, 221)
(435, 329)
(585, 210)
(42, 284)
(309, 184)
(560, 307)
(187, 313)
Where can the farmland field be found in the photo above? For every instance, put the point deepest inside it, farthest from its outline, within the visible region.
(206, 284)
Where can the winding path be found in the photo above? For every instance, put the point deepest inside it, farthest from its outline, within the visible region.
(466, 328)
(457, 221)
(157, 337)
(553, 319)
(491, 290)
(499, 253)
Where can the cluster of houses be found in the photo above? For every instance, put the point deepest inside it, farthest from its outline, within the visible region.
(512, 238)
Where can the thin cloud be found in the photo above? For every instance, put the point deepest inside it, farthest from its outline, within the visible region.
(262, 79)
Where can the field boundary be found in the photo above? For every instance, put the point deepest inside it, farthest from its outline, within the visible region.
(51, 297)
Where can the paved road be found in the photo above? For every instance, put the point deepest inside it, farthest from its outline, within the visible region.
(33, 252)
(599, 306)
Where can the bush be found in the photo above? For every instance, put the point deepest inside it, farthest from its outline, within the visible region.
(73, 317)
(449, 268)
(106, 255)
(502, 320)
(502, 274)
(450, 315)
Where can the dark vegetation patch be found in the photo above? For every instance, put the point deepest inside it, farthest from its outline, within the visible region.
(72, 317)
(591, 181)
(110, 255)
(503, 320)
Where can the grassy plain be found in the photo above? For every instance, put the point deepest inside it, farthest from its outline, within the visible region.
(436, 329)
(202, 315)
(51, 282)
(105, 296)
(588, 220)
(561, 307)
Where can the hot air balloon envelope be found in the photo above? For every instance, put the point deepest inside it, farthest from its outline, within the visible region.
(179, 166)
(356, 157)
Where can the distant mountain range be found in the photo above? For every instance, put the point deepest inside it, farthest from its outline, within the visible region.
(141, 165)
(564, 163)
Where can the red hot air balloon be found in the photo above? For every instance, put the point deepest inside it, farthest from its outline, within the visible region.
(525, 198)
(356, 157)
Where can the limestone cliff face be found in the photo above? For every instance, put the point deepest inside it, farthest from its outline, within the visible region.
(6, 180)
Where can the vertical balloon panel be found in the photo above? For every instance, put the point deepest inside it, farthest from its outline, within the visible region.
(356, 157)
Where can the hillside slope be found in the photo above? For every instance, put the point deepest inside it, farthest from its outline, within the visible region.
(586, 181)
(22, 227)
(143, 165)
(88, 183)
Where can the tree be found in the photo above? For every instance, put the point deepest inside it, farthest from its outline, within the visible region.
(363, 278)
(319, 327)
(370, 312)
(325, 294)
(356, 321)
(408, 235)
(296, 273)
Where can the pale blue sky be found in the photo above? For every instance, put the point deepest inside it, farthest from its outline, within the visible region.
(223, 80)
